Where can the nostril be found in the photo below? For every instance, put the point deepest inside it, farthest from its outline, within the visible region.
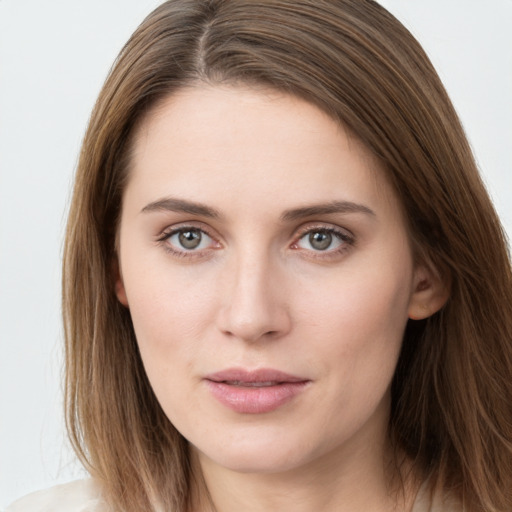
(253, 332)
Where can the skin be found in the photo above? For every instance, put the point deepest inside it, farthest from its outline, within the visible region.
(258, 292)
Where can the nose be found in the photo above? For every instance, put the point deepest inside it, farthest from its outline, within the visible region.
(254, 303)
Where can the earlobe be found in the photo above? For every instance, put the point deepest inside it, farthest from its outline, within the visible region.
(429, 295)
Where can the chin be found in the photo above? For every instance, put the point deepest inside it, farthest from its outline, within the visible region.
(251, 463)
(258, 456)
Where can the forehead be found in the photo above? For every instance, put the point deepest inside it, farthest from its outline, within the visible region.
(247, 142)
(213, 118)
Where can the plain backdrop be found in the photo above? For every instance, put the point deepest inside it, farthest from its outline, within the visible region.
(54, 56)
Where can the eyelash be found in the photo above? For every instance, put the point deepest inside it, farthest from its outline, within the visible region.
(346, 241)
(164, 237)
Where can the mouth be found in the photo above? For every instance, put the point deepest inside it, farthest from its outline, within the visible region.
(240, 383)
(255, 392)
(260, 377)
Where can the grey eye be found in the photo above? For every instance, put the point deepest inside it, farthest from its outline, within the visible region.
(189, 239)
(320, 240)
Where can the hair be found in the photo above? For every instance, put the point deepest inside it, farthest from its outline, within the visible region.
(451, 411)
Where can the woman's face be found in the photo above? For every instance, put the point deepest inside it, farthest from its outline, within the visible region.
(266, 266)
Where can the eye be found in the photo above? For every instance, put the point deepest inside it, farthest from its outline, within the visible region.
(323, 240)
(187, 239)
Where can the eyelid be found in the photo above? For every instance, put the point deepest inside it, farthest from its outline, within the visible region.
(323, 226)
(164, 235)
(346, 237)
(183, 226)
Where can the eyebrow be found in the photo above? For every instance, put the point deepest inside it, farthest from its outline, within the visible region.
(193, 208)
(326, 209)
(181, 206)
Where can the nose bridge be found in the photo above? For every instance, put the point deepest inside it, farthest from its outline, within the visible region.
(254, 305)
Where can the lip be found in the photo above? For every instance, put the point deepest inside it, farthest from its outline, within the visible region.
(254, 392)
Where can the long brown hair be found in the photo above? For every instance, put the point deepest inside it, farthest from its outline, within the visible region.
(452, 392)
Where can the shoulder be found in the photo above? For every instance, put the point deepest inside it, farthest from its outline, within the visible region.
(78, 496)
(430, 500)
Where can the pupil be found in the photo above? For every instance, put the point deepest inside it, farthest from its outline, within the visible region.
(190, 239)
(320, 240)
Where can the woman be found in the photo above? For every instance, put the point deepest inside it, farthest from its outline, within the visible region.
(285, 286)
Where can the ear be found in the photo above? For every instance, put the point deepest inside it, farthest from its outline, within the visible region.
(430, 292)
(119, 284)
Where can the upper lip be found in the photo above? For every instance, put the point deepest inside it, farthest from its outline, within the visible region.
(261, 375)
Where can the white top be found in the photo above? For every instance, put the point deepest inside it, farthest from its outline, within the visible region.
(85, 496)
(78, 496)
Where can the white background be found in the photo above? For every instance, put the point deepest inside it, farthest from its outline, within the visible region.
(54, 56)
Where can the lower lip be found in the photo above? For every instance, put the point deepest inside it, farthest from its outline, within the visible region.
(255, 400)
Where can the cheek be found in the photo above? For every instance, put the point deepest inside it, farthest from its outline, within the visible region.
(362, 301)
(170, 311)
(358, 317)
(169, 327)
(357, 326)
